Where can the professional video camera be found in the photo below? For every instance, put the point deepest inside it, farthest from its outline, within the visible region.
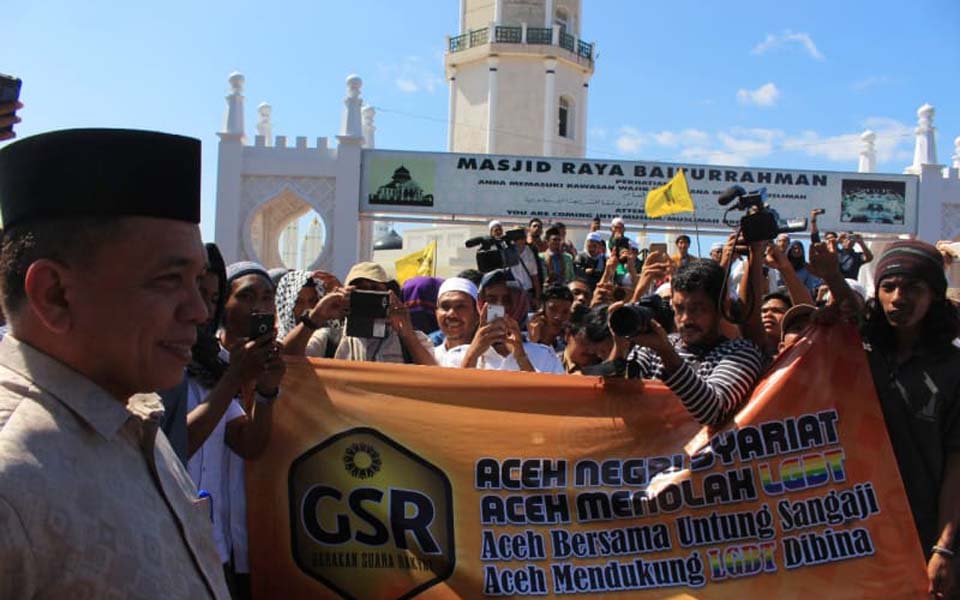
(634, 319)
(496, 254)
(761, 222)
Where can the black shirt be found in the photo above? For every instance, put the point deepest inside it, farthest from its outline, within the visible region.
(921, 409)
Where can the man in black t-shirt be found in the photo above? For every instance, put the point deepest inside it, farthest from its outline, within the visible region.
(850, 260)
(908, 334)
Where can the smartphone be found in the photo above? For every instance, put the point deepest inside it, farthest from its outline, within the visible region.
(494, 311)
(260, 323)
(658, 247)
(9, 92)
(368, 314)
(819, 211)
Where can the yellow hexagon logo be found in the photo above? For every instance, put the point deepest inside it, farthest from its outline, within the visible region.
(369, 518)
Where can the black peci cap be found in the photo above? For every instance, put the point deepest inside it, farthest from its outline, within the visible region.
(100, 172)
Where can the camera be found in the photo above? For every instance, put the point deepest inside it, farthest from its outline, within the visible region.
(368, 313)
(260, 323)
(634, 319)
(621, 243)
(761, 222)
(497, 254)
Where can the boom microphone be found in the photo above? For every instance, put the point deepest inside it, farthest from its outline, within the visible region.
(731, 194)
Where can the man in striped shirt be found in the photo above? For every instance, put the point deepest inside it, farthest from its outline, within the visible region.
(711, 374)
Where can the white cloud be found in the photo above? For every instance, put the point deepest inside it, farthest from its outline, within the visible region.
(788, 37)
(406, 85)
(892, 139)
(413, 75)
(765, 96)
(868, 82)
(742, 146)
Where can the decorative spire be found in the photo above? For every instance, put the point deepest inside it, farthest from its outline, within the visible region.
(868, 154)
(351, 125)
(369, 113)
(925, 151)
(264, 126)
(233, 121)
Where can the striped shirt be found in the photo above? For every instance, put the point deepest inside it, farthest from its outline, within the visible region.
(713, 383)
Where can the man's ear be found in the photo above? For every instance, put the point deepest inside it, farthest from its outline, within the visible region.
(46, 284)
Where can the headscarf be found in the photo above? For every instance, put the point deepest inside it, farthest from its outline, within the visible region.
(420, 297)
(206, 365)
(798, 262)
(287, 291)
(519, 301)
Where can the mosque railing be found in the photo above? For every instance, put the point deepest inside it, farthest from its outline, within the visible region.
(479, 37)
(508, 34)
(540, 35)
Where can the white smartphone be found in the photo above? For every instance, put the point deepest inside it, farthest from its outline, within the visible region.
(494, 311)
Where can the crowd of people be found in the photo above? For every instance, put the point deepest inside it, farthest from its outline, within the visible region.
(113, 295)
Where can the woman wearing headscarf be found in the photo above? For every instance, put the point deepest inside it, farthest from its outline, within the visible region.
(302, 327)
(798, 261)
(419, 295)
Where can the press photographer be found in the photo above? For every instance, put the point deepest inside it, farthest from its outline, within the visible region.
(711, 374)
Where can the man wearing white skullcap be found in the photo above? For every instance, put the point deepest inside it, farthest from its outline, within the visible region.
(496, 229)
(457, 316)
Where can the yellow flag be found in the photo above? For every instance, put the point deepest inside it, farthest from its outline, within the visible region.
(421, 262)
(671, 198)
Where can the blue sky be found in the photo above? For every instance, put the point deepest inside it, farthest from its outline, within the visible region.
(759, 83)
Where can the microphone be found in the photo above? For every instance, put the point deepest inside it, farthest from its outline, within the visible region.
(731, 194)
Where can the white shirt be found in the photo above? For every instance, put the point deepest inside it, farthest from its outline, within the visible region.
(736, 274)
(543, 358)
(528, 258)
(208, 467)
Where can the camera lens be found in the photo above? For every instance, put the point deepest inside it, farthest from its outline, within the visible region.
(631, 320)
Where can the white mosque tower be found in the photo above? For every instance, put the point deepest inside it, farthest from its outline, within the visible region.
(519, 78)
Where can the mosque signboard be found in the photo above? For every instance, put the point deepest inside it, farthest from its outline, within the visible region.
(574, 189)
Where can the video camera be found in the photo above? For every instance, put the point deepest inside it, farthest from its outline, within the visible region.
(497, 254)
(761, 222)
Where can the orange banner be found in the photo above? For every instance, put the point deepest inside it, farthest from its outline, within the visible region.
(395, 481)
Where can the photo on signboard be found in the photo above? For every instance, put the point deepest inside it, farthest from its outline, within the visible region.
(406, 182)
(870, 201)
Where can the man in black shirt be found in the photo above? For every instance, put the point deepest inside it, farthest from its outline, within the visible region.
(908, 334)
(851, 260)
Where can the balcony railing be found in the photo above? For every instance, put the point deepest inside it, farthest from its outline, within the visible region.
(508, 34)
(479, 37)
(539, 35)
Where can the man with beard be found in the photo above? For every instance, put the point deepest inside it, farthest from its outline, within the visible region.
(908, 334)
(712, 375)
(498, 344)
(456, 315)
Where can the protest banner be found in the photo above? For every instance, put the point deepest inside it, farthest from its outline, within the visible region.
(395, 481)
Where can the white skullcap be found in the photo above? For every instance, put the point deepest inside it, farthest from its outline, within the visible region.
(664, 290)
(595, 236)
(458, 284)
(617, 221)
(493, 224)
(633, 245)
(716, 246)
